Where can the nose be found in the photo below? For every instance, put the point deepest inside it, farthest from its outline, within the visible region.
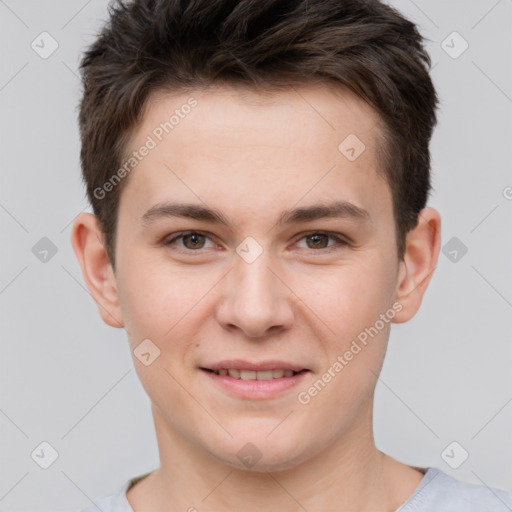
(255, 299)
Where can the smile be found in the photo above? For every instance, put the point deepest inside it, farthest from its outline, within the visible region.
(254, 375)
(255, 381)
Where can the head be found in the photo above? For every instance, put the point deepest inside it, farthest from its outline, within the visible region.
(155, 46)
(269, 119)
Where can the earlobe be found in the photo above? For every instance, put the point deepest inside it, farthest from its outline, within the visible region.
(419, 262)
(87, 240)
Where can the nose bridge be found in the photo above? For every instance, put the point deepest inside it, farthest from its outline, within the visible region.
(254, 280)
(255, 299)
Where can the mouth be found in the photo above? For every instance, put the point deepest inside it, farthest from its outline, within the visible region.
(255, 380)
(237, 373)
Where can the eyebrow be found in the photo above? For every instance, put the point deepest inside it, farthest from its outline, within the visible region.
(338, 209)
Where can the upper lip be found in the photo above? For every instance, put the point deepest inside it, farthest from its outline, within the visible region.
(240, 364)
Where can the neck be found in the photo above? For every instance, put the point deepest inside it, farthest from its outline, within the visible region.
(350, 473)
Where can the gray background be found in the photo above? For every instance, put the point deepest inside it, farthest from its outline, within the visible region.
(68, 379)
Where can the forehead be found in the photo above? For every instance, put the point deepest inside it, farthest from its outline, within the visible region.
(240, 112)
(237, 145)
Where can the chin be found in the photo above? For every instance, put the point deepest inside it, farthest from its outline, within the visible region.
(261, 455)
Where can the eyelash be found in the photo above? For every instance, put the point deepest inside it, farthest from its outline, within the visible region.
(341, 242)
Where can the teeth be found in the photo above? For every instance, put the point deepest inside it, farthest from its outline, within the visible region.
(234, 373)
(265, 375)
(253, 375)
(247, 375)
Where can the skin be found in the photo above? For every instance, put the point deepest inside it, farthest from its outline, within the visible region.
(251, 156)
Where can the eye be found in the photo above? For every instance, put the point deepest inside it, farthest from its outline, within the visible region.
(320, 240)
(192, 240)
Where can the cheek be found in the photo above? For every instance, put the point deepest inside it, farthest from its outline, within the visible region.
(164, 308)
(346, 298)
(158, 302)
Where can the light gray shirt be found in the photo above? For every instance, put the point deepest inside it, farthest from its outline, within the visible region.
(437, 492)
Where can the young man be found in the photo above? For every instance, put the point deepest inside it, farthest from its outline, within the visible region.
(259, 172)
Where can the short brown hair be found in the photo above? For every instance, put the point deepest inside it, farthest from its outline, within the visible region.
(363, 45)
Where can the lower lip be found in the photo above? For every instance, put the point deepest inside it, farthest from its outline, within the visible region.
(256, 389)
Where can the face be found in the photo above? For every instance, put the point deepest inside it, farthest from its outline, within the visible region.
(254, 242)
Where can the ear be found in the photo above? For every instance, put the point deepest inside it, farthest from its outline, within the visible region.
(88, 243)
(419, 261)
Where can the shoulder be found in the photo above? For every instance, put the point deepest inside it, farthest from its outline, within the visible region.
(440, 492)
(115, 503)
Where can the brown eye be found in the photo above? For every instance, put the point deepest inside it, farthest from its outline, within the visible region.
(318, 240)
(193, 241)
(189, 241)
